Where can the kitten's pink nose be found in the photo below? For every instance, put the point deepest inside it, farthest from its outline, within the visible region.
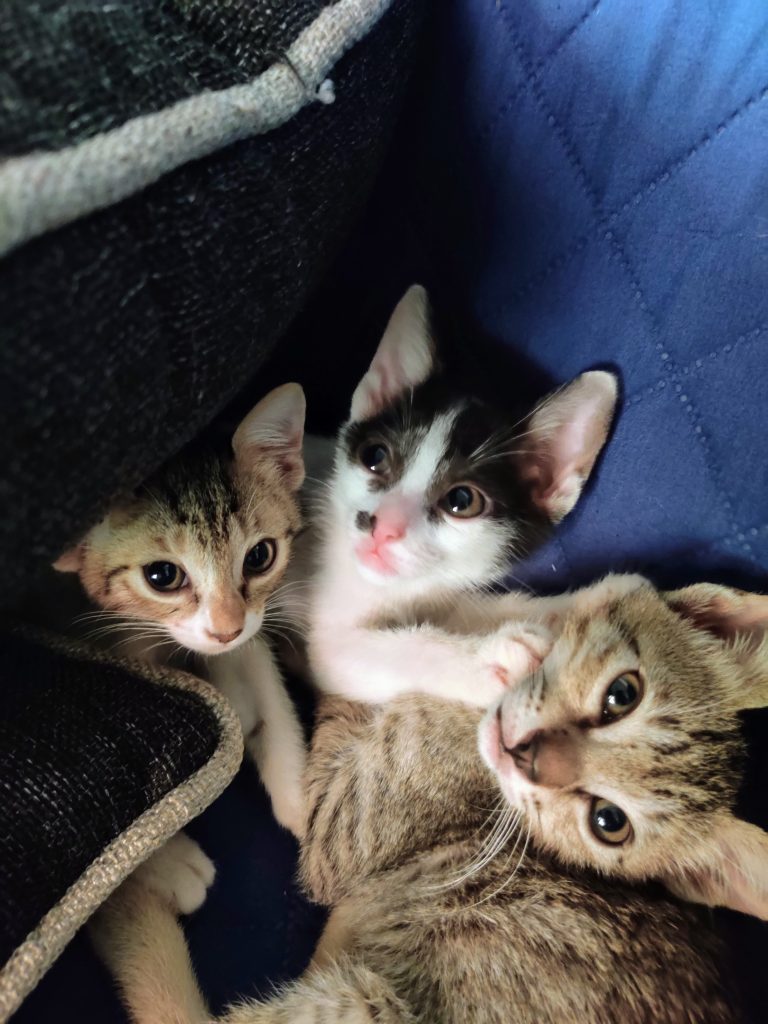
(225, 638)
(388, 528)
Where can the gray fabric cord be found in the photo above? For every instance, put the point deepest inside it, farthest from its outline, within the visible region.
(44, 191)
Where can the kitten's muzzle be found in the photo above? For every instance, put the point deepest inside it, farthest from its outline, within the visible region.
(524, 757)
(225, 638)
(547, 759)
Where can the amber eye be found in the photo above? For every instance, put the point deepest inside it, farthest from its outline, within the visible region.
(260, 558)
(375, 457)
(464, 502)
(622, 696)
(608, 822)
(164, 576)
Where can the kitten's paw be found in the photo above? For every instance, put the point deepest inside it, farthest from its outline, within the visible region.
(515, 650)
(288, 798)
(179, 873)
(290, 812)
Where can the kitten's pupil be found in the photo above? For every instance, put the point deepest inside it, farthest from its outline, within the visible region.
(375, 457)
(608, 822)
(164, 576)
(621, 696)
(260, 557)
(460, 498)
(464, 502)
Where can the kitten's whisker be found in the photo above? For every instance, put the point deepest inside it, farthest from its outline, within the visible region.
(507, 880)
(498, 837)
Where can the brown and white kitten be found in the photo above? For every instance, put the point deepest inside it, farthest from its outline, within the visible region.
(442, 913)
(192, 561)
(433, 494)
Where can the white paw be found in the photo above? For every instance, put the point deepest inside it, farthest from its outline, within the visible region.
(514, 651)
(289, 810)
(179, 873)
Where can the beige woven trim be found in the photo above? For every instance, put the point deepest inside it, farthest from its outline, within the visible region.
(43, 191)
(42, 946)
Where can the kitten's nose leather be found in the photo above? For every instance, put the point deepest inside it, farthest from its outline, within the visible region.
(225, 638)
(548, 759)
(524, 756)
(387, 529)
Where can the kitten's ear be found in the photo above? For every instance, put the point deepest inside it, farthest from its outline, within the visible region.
(740, 620)
(405, 357)
(274, 429)
(735, 874)
(563, 438)
(71, 559)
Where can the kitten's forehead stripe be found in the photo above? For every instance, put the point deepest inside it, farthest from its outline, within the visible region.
(428, 458)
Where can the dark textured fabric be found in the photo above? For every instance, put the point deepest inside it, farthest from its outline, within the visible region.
(84, 750)
(71, 70)
(123, 333)
(254, 930)
(121, 336)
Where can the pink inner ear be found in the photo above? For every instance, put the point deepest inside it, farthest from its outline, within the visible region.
(565, 435)
(70, 560)
(723, 615)
(750, 611)
(383, 384)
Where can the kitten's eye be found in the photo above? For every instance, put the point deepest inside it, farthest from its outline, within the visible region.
(622, 696)
(164, 576)
(464, 502)
(608, 822)
(375, 457)
(260, 558)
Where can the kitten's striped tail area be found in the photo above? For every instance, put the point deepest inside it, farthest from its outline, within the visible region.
(139, 938)
(342, 993)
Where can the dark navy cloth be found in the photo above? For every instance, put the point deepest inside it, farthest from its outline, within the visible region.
(584, 184)
(589, 182)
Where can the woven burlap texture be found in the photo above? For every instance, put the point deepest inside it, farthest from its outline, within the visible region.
(150, 830)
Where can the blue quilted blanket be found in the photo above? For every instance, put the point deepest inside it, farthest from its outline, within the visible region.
(601, 196)
(586, 182)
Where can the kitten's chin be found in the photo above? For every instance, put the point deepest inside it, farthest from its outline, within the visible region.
(491, 747)
(489, 737)
(201, 645)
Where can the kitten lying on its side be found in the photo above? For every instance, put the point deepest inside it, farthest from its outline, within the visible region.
(192, 562)
(620, 755)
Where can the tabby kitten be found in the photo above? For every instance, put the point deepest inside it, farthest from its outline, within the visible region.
(624, 751)
(192, 561)
(432, 494)
(437, 917)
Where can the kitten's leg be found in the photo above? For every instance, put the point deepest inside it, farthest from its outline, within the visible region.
(378, 664)
(137, 935)
(251, 681)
